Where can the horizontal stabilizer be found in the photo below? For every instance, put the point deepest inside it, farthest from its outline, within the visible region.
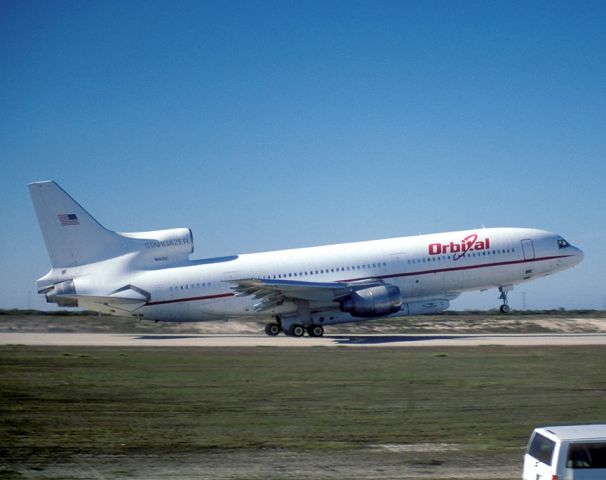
(127, 299)
(109, 304)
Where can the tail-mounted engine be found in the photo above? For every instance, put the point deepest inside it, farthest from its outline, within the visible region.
(165, 246)
(373, 301)
(59, 293)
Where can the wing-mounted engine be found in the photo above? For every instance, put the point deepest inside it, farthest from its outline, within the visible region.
(375, 301)
(162, 247)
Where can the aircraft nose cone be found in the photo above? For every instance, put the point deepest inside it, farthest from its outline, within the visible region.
(580, 254)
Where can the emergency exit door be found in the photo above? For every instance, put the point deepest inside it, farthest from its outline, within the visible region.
(528, 249)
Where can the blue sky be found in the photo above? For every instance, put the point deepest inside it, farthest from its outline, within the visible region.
(265, 125)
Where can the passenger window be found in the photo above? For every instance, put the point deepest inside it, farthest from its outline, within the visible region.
(587, 455)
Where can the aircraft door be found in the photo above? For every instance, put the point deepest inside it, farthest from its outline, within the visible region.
(528, 249)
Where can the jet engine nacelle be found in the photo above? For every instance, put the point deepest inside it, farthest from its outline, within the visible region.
(373, 301)
(56, 294)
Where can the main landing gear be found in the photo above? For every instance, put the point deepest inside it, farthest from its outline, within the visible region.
(294, 330)
(505, 307)
(272, 329)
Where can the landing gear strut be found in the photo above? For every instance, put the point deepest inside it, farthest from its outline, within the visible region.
(295, 324)
(505, 307)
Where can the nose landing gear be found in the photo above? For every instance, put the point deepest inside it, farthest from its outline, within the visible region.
(505, 307)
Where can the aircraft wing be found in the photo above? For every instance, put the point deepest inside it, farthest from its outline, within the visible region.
(273, 292)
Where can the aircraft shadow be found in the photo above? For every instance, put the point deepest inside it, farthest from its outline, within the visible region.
(168, 337)
(379, 340)
(337, 339)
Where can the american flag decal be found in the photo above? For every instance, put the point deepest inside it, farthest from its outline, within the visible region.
(68, 219)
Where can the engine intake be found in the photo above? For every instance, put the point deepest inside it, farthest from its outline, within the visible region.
(373, 301)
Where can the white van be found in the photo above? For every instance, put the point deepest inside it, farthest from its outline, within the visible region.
(575, 452)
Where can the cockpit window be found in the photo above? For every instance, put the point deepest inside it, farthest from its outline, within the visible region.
(563, 243)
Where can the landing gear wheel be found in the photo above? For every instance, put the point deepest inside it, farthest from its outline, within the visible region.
(505, 309)
(296, 330)
(315, 331)
(272, 329)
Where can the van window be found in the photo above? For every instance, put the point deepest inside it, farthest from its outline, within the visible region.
(587, 455)
(541, 448)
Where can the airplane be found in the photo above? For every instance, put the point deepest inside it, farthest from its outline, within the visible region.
(150, 274)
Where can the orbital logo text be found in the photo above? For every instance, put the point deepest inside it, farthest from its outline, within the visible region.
(459, 249)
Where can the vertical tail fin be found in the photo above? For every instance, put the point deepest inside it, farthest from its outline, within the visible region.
(72, 236)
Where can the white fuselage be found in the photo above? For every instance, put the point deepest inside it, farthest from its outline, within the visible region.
(435, 267)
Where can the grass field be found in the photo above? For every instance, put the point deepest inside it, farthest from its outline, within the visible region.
(58, 404)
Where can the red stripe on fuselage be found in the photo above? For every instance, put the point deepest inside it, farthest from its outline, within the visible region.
(393, 275)
(470, 267)
(192, 299)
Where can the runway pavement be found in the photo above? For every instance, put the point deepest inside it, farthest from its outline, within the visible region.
(374, 340)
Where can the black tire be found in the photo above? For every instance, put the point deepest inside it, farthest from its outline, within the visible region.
(296, 330)
(272, 329)
(505, 309)
(315, 331)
